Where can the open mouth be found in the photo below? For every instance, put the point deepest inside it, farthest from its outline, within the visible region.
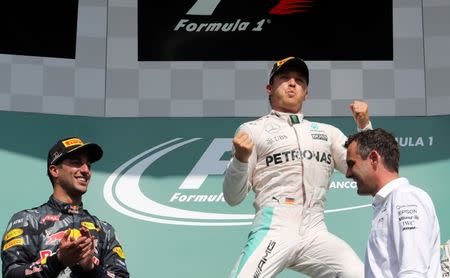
(82, 180)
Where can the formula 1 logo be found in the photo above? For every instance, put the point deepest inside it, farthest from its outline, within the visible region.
(124, 188)
(207, 8)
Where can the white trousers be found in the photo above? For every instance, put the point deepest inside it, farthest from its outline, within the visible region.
(284, 237)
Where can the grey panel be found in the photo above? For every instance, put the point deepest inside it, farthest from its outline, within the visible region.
(154, 107)
(217, 84)
(319, 84)
(438, 51)
(408, 53)
(186, 108)
(122, 83)
(407, 22)
(26, 103)
(27, 79)
(407, 3)
(409, 84)
(378, 84)
(251, 108)
(346, 84)
(59, 81)
(155, 83)
(5, 101)
(91, 21)
(91, 52)
(90, 83)
(438, 82)
(215, 108)
(250, 84)
(89, 107)
(58, 105)
(122, 21)
(5, 77)
(410, 107)
(438, 105)
(27, 60)
(436, 21)
(317, 107)
(122, 107)
(187, 84)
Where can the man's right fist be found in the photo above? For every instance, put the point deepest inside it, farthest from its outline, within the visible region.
(243, 146)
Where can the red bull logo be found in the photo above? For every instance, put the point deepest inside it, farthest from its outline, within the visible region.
(57, 237)
(54, 238)
(49, 217)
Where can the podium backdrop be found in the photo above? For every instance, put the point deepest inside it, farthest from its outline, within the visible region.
(160, 182)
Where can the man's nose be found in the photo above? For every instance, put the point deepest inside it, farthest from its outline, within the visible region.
(84, 167)
(348, 173)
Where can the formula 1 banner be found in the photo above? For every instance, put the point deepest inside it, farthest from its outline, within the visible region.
(159, 184)
(211, 30)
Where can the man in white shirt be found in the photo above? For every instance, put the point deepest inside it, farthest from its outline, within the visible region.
(404, 239)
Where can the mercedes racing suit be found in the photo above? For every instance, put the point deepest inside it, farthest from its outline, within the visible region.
(32, 237)
(289, 170)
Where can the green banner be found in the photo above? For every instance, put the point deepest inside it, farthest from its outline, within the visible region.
(160, 184)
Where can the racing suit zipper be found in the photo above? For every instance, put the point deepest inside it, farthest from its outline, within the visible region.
(293, 120)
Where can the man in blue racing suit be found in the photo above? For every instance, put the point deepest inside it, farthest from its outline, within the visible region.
(60, 238)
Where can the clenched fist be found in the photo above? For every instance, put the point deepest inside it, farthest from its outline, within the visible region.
(360, 111)
(243, 146)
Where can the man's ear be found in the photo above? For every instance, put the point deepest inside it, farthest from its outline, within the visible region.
(269, 89)
(374, 157)
(53, 170)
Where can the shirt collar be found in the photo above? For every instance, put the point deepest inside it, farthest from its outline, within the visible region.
(65, 207)
(286, 116)
(386, 190)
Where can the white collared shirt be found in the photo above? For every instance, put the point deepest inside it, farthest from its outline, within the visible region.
(405, 237)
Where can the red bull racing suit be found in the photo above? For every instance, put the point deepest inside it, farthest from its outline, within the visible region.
(32, 237)
(289, 170)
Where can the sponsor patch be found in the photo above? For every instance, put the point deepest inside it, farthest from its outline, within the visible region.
(89, 226)
(14, 242)
(408, 217)
(13, 233)
(54, 238)
(272, 128)
(264, 259)
(57, 237)
(118, 250)
(49, 217)
(75, 233)
(72, 142)
(289, 200)
(318, 136)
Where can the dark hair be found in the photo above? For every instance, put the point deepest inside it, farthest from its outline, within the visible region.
(380, 140)
(58, 164)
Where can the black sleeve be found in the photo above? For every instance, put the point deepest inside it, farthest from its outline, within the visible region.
(20, 253)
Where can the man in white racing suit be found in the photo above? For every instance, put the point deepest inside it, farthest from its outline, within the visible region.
(288, 161)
